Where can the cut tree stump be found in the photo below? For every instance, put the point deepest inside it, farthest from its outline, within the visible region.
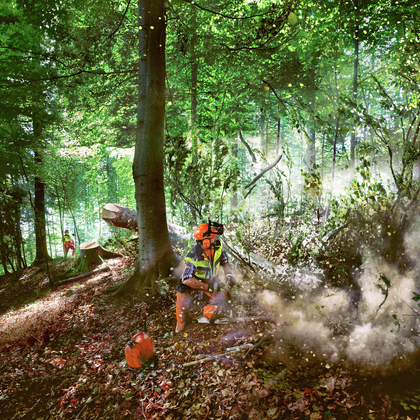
(89, 254)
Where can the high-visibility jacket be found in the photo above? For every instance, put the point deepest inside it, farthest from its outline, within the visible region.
(67, 238)
(205, 269)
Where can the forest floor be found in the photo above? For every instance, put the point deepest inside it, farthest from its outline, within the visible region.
(62, 357)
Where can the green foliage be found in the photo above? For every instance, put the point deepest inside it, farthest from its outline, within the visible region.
(243, 233)
(416, 298)
(71, 71)
(313, 185)
(396, 322)
(277, 189)
(199, 179)
(296, 252)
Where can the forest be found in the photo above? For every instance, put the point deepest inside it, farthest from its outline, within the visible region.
(293, 123)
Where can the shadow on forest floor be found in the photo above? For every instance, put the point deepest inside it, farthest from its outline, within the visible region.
(27, 286)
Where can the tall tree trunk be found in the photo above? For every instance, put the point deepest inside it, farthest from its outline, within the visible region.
(311, 145)
(39, 202)
(194, 81)
(267, 140)
(15, 209)
(262, 122)
(327, 211)
(156, 256)
(279, 137)
(322, 157)
(355, 82)
(234, 197)
(40, 222)
(3, 245)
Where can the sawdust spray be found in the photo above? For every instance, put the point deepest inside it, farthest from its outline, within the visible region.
(374, 326)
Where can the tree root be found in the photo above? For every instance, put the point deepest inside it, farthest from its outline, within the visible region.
(100, 270)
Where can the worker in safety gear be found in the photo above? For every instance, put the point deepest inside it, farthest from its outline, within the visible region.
(201, 275)
(68, 243)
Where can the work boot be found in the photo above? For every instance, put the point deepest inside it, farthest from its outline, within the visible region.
(182, 305)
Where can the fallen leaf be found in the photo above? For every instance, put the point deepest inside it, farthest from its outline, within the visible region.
(272, 411)
(330, 385)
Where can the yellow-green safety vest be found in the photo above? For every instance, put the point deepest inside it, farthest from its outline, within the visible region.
(205, 270)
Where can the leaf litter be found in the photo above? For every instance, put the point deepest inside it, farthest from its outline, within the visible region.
(63, 357)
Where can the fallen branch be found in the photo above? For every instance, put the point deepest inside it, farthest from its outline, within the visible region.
(416, 312)
(100, 270)
(113, 289)
(267, 337)
(242, 346)
(383, 291)
(98, 283)
(252, 318)
(208, 358)
(203, 320)
(249, 192)
(333, 232)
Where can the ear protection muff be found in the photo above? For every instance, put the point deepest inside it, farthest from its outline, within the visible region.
(206, 243)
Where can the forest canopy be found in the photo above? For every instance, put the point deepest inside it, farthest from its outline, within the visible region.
(328, 90)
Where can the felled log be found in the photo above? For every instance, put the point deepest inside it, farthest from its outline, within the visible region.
(120, 216)
(126, 218)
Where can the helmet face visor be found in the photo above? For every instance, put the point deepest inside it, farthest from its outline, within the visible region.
(216, 228)
(208, 230)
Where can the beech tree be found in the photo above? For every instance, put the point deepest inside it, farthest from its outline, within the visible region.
(156, 256)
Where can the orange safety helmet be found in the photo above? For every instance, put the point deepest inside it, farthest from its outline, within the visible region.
(202, 231)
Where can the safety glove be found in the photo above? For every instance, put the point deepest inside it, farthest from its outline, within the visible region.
(230, 280)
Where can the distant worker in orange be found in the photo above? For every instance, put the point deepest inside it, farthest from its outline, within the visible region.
(68, 243)
(201, 275)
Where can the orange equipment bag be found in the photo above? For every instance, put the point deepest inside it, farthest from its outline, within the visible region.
(139, 349)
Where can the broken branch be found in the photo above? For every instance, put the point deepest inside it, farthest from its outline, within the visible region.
(264, 171)
(208, 358)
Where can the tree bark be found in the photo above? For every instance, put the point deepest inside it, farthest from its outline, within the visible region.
(234, 197)
(156, 256)
(311, 137)
(278, 139)
(327, 211)
(355, 82)
(39, 205)
(194, 85)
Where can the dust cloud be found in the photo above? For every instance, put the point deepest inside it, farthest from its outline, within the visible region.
(372, 325)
